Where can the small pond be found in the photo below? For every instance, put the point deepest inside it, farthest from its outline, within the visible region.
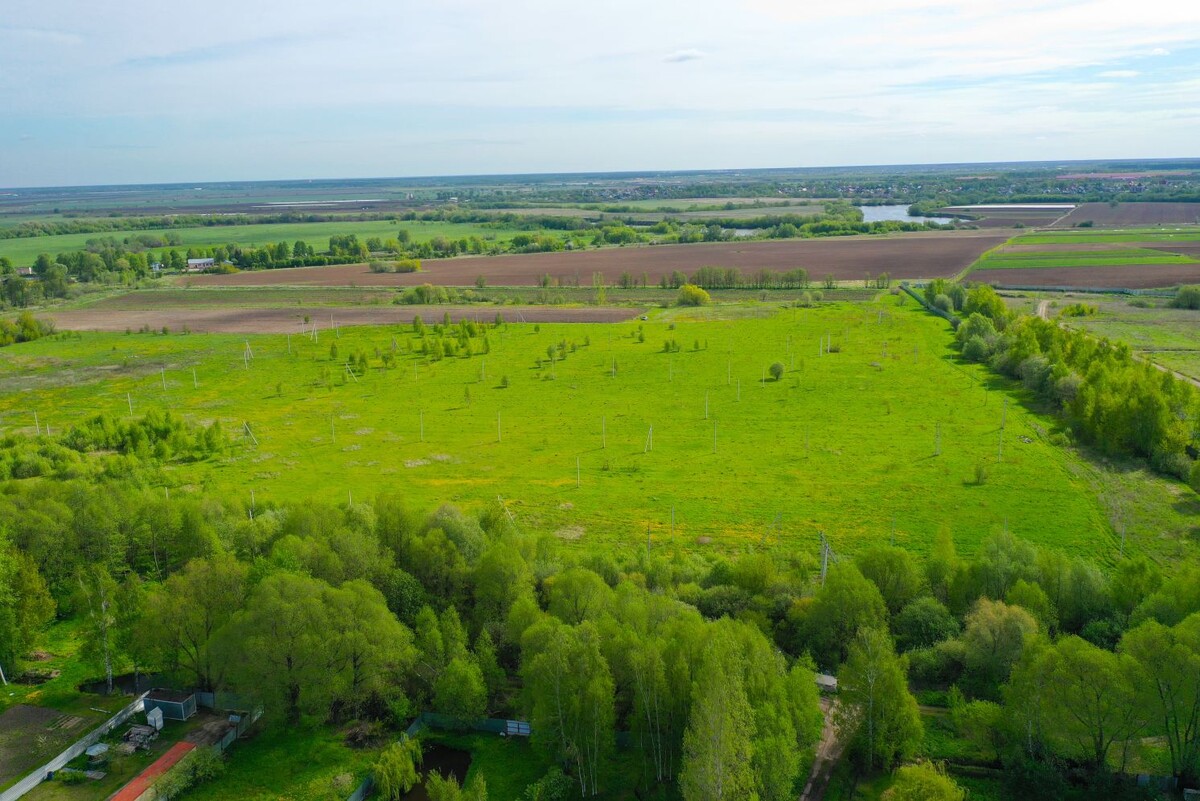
(446, 761)
(899, 213)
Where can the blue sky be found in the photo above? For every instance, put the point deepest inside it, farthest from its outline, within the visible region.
(142, 91)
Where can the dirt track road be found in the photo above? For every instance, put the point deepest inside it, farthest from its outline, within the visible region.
(829, 751)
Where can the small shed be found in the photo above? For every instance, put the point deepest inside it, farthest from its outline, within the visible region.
(175, 704)
(826, 683)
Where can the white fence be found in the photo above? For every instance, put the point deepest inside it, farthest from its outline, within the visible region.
(38, 776)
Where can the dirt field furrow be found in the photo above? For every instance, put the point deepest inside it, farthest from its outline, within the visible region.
(1126, 276)
(846, 258)
(292, 320)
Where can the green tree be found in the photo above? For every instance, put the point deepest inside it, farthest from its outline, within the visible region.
(577, 595)
(501, 576)
(692, 295)
(894, 571)
(776, 371)
(446, 788)
(1132, 582)
(994, 637)
(923, 781)
(25, 605)
(279, 646)
(846, 603)
(875, 702)
(569, 692)
(97, 601)
(1033, 599)
(460, 691)
(132, 636)
(924, 623)
(398, 768)
(718, 742)
(1090, 701)
(371, 649)
(1170, 661)
(187, 610)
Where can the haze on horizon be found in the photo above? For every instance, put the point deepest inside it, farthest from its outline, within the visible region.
(151, 92)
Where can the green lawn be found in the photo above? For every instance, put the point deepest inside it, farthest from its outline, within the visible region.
(296, 763)
(24, 251)
(844, 443)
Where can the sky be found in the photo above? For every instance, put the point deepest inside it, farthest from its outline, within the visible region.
(147, 92)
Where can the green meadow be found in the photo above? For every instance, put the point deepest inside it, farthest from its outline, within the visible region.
(618, 440)
(24, 251)
(1023, 260)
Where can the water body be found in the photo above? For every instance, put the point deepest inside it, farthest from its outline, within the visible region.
(900, 213)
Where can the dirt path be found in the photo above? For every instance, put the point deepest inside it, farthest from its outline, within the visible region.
(1043, 309)
(829, 751)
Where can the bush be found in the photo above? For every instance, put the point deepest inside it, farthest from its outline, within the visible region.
(776, 371)
(1171, 463)
(1187, 297)
(692, 295)
(554, 786)
(943, 303)
(976, 349)
(1079, 310)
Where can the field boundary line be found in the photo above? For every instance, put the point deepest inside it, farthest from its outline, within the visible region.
(970, 268)
(38, 775)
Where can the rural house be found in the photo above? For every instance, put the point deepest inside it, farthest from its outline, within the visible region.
(198, 265)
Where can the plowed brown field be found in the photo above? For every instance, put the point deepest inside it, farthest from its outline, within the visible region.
(1126, 276)
(290, 320)
(848, 258)
(1132, 214)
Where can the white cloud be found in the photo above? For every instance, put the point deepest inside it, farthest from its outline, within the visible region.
(567, 85)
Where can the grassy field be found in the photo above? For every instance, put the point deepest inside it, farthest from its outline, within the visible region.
(844, 443)
(1023, 260)
(297, 763)
(24, 251)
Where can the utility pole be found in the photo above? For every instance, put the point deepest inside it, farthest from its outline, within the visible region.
(824, 558)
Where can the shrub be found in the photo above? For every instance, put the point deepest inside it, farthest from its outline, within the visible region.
(776, 371)
(1078, 310)
(976, 349)
(943, 303)
(692, 295)
(1187, 297)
